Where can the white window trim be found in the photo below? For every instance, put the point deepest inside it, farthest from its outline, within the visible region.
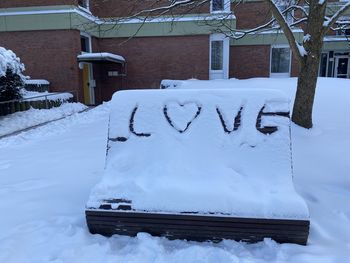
(87, 8)
(226, 56)
(90, 41)
(281, 75)
(227, 7)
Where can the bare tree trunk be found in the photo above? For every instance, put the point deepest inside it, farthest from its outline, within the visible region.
(307, 81)
(304, 100)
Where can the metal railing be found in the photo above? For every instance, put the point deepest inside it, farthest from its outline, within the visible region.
(12, 106)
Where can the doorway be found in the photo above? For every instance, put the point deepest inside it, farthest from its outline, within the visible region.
(219, 56)
(342, 67)
(88, 84)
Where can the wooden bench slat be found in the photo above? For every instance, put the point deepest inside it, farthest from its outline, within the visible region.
(198, 235)
(175, 222)
(197, 228)
(194, 217)
(203, 230)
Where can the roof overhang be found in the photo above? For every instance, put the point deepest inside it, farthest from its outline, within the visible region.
(100, 57)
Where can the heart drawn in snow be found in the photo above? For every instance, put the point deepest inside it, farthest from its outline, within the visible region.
(181, 116)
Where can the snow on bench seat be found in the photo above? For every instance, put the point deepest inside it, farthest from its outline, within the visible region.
(209, 153)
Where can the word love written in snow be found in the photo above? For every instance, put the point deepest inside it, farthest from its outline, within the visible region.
(237, 122)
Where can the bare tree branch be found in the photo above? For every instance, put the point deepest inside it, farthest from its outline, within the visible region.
(164, 9)
(159, 8)
(286, 29)
(329, 23)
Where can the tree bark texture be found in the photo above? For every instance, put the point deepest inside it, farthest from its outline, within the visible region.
(309, 65)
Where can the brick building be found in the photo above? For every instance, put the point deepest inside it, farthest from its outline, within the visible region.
(73, 44)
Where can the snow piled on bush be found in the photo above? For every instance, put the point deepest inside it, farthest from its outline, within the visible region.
(9, 60)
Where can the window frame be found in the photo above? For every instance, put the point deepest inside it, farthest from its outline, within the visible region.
(88, 37)
(338, 55)
(212, 53)
(327, 64)
(224, 72)
(281, 4)
(226, 7)
(343, 32)
(281, 74)
(87, 7)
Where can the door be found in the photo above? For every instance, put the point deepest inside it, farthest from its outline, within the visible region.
(219, 56)
(342, 67)
(89, 90)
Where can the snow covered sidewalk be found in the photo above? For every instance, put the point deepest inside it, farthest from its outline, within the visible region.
(22, 120)
(46, 176)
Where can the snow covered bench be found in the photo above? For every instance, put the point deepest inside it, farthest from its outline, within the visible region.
(199, 165)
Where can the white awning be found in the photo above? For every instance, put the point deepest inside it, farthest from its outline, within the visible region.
(100, 57)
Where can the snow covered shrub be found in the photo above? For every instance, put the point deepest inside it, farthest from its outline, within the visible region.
(11, 77)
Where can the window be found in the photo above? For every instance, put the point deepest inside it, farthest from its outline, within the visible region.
(83, 3)
(343, 27)
(323, 65)
(343, 32)
(330, 64)
(85, 43)
(220, 6)
(217, 55)
(280, 61)
(283, 5)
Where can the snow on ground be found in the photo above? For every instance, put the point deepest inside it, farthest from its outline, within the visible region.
(25, 119)
(46, 176)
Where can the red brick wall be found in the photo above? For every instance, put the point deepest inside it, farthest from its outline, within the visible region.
(151, 59)
(251, 14)
(106, 85)
(249, 61)
(24, 3)
(254, 61)
(50, 55)
(123, 8)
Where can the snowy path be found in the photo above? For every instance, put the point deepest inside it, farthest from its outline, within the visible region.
(20, 121)
(46, 175)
